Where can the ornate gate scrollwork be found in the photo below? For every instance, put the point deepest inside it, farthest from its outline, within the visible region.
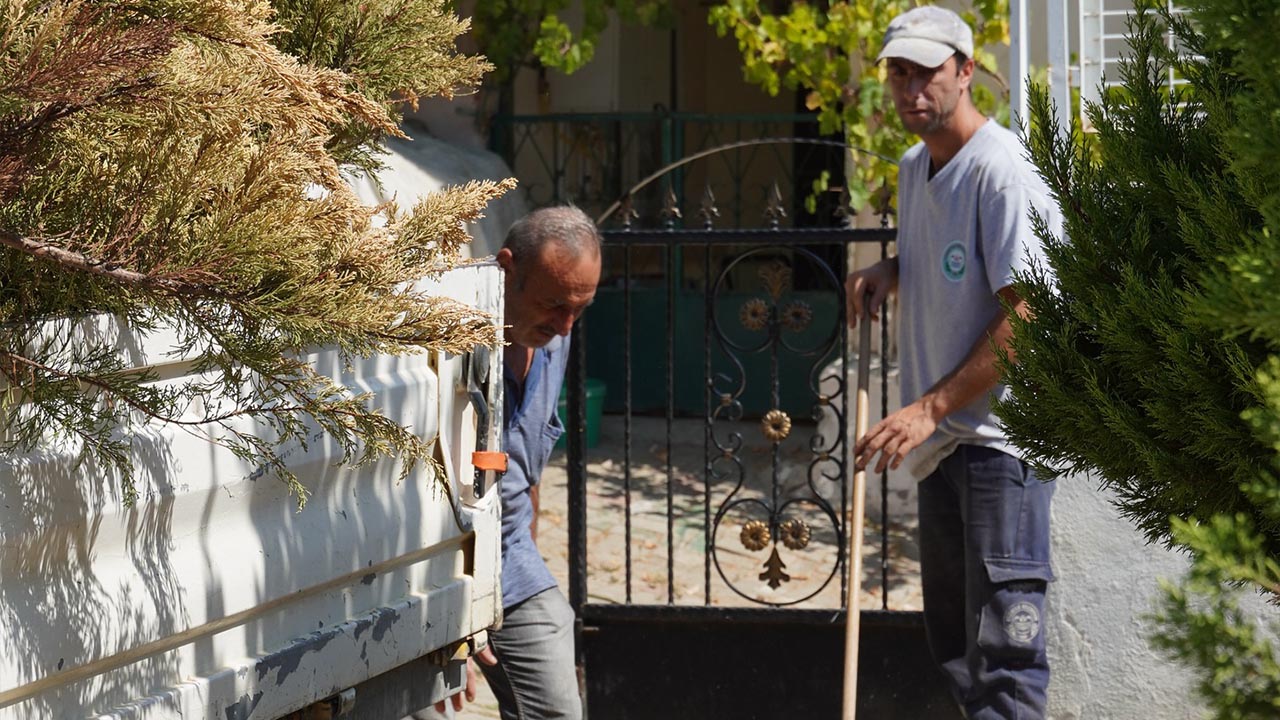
(769, 510)
(777, 520)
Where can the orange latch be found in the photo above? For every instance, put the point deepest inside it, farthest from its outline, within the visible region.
(489, 460)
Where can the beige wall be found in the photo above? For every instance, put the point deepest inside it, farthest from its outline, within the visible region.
(632, 73)
(643, 67)
(711, 71)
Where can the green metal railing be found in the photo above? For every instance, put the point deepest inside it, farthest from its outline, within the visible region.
(591, 159)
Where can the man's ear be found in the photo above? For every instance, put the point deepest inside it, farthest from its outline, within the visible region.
(966, 72)
(506, 260)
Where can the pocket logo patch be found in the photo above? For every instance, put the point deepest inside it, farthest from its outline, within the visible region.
(954, 260)
(1022, 623)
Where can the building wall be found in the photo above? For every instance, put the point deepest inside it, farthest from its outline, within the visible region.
(1103, 667)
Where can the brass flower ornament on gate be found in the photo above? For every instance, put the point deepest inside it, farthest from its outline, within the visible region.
(776, 425)
(754, 314)
(755, 535)
(795, 533)
(797, 315)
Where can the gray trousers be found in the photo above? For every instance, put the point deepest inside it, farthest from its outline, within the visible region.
(535, 678)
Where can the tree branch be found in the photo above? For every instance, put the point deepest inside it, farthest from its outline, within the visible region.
(48, 250)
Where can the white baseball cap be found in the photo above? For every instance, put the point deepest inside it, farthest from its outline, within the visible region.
(927, 36)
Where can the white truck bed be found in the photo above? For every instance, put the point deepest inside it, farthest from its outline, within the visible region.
(214, 597)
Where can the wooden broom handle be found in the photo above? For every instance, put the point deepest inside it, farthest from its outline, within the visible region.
(853, 602)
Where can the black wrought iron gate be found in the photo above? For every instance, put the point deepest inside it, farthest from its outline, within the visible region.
(722, 593)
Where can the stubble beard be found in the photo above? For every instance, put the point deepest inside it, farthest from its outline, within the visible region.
(938, 122)
(935, 122)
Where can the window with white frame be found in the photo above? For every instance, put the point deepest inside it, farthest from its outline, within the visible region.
(1102, 44)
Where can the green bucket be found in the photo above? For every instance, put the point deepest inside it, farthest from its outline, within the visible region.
(595, 408)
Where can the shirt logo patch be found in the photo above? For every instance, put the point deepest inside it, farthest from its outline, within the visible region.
(1022, 623)
(954, 260)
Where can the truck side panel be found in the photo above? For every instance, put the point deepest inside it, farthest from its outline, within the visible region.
(214, 596)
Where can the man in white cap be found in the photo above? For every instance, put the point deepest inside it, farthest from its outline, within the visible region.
(966, 196)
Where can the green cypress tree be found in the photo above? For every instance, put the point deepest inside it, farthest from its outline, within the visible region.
(1153, 359)
(178, 164)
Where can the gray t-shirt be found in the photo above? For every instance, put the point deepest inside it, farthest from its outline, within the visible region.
(961, 236)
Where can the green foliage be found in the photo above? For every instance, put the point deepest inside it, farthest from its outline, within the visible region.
(531, 33)
(1153, 359)
(810, 48)
(164, 166)
(1202, 624)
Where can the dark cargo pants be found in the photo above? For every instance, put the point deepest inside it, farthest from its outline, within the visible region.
(984, 561)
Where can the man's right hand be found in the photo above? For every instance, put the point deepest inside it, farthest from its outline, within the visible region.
(877, 281)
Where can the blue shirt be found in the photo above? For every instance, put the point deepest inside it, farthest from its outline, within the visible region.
(530, 429)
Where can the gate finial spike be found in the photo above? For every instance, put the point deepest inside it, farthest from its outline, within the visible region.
(843, 210)
(774, 212)
(708, 210)
(670, 208)
(628, 211)
(884, 201)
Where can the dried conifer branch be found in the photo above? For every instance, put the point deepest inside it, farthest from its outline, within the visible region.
(74, 261)
(158, 160)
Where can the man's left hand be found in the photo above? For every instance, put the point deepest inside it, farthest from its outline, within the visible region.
(487, 657)
(895, 436)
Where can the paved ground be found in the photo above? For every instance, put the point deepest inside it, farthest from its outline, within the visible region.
(808, 568)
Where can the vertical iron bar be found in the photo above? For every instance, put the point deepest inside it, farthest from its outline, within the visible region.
(737, 178)
(708, 309)
(673, 147)
(775, 396)
(673, 76)
(671, 399)
(1059, 64)
(1019, 62)
(842, 427)
(884, 412)
(577, 477)
(626, 417)
(557, 170)
(616, 162)
(668, 149)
